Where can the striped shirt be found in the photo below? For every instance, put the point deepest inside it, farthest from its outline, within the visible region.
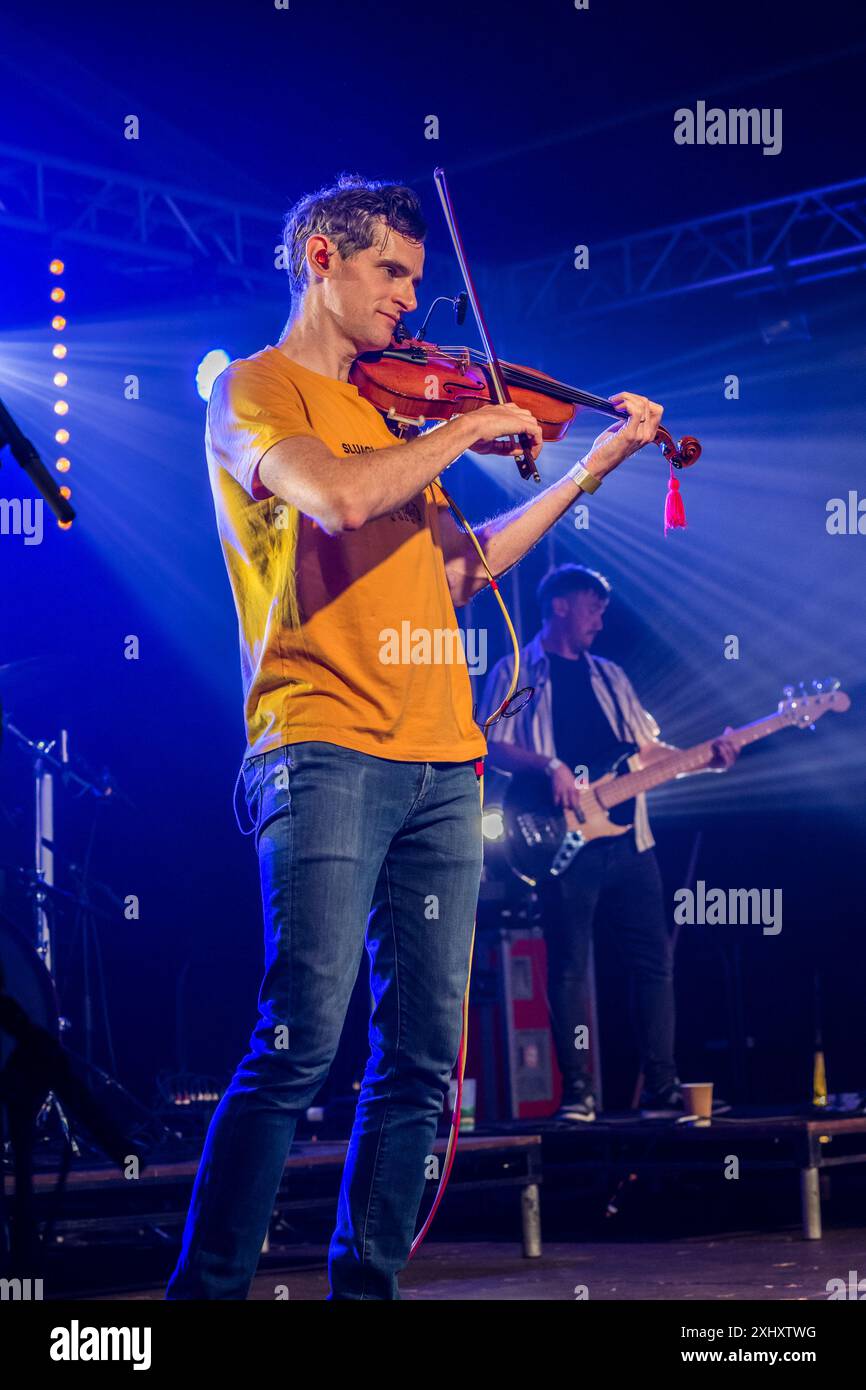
(532, 727)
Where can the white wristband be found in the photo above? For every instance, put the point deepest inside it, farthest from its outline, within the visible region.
(580, 474)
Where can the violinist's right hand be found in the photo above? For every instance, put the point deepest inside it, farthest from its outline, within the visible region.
(488, 423)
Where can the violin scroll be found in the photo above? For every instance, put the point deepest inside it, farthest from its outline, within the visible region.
(682, 453)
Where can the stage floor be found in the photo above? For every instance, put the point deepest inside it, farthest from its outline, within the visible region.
(767, 1267)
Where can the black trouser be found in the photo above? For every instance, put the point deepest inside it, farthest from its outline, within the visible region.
(612, 876)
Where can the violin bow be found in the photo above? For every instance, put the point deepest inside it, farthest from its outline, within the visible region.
(679, 453)
(525, 462)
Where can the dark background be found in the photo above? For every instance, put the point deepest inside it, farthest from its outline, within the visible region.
(555, 127)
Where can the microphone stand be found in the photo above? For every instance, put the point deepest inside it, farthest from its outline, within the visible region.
(42, 888)
(27, 457)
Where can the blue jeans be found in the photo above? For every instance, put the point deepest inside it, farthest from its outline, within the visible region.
(343, 837)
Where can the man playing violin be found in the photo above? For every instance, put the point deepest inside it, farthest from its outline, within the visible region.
(359, 773)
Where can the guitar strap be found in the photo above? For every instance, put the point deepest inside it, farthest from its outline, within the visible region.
(622, 731)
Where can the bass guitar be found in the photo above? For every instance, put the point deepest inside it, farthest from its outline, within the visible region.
(543, 840)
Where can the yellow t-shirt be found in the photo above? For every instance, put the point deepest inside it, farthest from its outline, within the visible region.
(376, 664)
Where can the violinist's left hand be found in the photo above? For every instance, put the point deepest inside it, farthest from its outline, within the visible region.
(622, 439)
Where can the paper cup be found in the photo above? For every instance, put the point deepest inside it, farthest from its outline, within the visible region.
(698, 1097)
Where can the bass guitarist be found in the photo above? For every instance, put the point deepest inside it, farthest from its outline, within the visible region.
(584, 709)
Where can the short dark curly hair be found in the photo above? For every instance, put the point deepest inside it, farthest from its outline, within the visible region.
(570, 579)
(346, 212)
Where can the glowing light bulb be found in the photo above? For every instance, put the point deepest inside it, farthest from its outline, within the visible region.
(58, 323)
(61, 436)
(60, 379)
(61, 407)
(63, 465)
(209, 369)
(59, 350)
(492, 824)
(58, 295)
(56, 267)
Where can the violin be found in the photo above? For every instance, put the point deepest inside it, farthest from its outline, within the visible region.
(413, 381)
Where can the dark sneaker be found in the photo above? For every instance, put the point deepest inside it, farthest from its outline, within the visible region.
(577, 1105)
(669, 1103)
(666, 1104)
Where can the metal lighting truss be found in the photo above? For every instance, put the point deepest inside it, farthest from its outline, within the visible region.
(780, 243)
(149, 222)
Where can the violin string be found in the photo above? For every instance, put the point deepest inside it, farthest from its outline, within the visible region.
(566, 393)
(517, 377)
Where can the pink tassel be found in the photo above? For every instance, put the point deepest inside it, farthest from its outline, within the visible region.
(675, 512)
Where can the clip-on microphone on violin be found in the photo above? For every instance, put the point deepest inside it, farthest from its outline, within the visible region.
(460, 302)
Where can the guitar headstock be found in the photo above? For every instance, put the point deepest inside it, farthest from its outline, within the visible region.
(805, 707)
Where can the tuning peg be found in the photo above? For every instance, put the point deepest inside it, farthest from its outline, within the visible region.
(817, 686)
(787, 692)
(831, 683)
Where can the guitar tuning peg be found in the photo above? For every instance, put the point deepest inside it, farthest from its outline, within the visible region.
(831, 683)
(817, 686)
(787, 692)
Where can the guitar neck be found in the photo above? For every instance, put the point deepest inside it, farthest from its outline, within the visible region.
(686, 760)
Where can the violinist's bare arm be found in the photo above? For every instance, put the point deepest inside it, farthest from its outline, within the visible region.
(506, 539)
(304, 473)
